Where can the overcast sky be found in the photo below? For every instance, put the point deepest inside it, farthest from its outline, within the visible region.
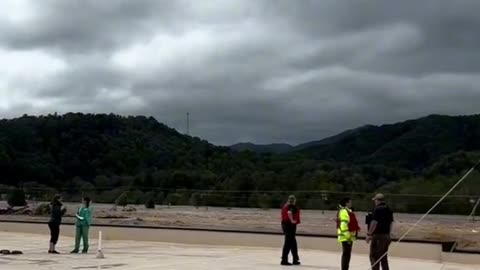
(261, 71)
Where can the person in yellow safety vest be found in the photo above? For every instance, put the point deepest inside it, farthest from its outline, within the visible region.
(347, 230)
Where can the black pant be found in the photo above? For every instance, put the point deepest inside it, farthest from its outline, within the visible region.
(54, 232)
(379, 247)
(290, 244)
(346, 255)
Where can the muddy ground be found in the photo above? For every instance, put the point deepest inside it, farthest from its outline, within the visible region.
(434, 227)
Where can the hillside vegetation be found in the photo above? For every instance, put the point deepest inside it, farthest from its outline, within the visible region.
(138, 158)
(414, 144)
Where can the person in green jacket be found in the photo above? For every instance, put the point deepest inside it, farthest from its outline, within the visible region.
(84, 220)
(347, 230)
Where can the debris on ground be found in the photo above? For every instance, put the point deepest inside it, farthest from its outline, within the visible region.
(129, 209)
(24, 210)
(8, 252)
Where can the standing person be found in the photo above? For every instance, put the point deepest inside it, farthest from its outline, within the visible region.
(84, 220)
(347, 230)
(290, 220)
(379, 233)
(56, 212)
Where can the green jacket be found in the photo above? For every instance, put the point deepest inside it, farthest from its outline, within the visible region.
(344, 235)
(84, 216)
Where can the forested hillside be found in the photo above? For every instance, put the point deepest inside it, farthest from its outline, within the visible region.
(414, 144)
(105, 156)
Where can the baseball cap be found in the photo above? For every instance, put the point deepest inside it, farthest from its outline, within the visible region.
(378, 197)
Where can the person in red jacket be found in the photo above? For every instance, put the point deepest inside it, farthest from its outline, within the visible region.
(290, 220)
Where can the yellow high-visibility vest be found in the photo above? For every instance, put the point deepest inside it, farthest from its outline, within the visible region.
(343, 233)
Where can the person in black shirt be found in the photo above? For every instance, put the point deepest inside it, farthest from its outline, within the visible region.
(379, 233)
(56, 213)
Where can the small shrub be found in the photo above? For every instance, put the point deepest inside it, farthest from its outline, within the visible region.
(264, 202)
(109, 196)
(16, 198)
(136, 197)
(122, 200)
(196, 200)
(150, 203)
(159, 198)
(42, 210)
(177, 199)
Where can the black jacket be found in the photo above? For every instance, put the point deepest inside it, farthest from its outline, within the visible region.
(56, 212)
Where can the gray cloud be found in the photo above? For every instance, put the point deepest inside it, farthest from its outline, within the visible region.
(281, 71)
(79, 27)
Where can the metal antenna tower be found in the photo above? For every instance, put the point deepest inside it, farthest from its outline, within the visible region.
(188, 123)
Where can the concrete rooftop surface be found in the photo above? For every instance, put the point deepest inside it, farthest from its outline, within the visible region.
(120, 255)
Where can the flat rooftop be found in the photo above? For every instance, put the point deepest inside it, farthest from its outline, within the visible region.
(131, 255)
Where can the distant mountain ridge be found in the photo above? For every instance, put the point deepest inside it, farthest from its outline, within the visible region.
(331, 139)
(276, 148)
(412, 144)
(280, 148)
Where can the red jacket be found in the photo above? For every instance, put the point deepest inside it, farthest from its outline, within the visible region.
(295, 211)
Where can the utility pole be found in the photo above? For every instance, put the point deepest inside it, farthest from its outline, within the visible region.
(188, 123)
(324, 195)
(474, 210)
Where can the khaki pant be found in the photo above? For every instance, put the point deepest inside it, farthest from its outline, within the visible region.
(378, 247)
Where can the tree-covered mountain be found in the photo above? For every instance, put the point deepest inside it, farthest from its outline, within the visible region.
(281, 148)
(413, 144)
(51, 149)
(329, 140)
(106, 156)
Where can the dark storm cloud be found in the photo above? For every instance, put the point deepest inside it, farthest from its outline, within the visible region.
(265, 71)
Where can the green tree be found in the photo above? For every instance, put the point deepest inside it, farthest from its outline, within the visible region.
(160, 198)
(150, 200)
(180, 198)
(102, 183)
(122, 200)
(42, 210)
(110, 196)
(136, 197)
(196, 199)
(265, 201)
(150, 203)
(17, 198)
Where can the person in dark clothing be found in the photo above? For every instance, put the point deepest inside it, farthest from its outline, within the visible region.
(379, 233)
(290, 220)
(56, 213)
